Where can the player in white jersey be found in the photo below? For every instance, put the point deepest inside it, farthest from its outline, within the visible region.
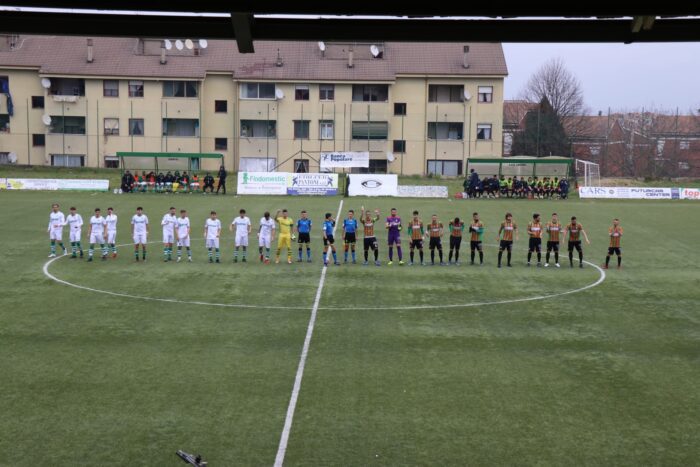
(112, 231)
(56, 222)
(243, 229)
(212, 232)
(266, 234)
(75, 228)
(97, 233)
(139, 231)
(169, 222)
(183, 235)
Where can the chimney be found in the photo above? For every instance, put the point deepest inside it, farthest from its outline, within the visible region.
(351, 55)
(466, 57)
(279, 59)
(90, 57)
(163, 60)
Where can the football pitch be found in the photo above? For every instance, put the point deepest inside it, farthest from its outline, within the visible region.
(123, 363)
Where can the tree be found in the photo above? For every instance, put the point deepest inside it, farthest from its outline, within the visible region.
(543, 134)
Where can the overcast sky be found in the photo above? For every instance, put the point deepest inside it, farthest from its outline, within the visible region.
(659, 75)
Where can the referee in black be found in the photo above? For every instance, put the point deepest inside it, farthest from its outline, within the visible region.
(222, 180)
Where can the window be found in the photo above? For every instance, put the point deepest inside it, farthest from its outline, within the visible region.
(184, 127)
(326, 129)
(111, 162)
(301, 92)
(111, 126)
(4, 123)
(326, 92)
(38, 139)
(595, 150)
(221, 106)
(301, 129)
(136, 127)
(66, 160)
(67, 87)
(258, 129)
(399, 145)
(135, 88)
(447, 168)
(445, 130)
(257, 164)
(221, 143)
(445, 93)
(685, 144)
(400, 109)
(370, 92)
(67, 125)
(179, 89)
(5, 158)
(110, 88)
(301, 166)
(684, 166)
(376, 166)
(257, 91)
(370, 130)
(483, 131)
(485, 93)
(37, 102)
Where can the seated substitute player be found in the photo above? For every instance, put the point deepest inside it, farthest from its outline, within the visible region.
(476, 229)
(266, 235)
(615, 233)
(534, 230)
(304, 230)
(370, 240)
(328, 240)
(75, 227)
(112, 231)
(169, 222)
(97, 234)
(243, 229)
(416, 232)
(286, 227)
(139, 232)
(574, 231)
(456, 230)
(350, 235)
(505, 237)
(435, 231)
(182, 234)
(56, 222)
(553, 229)
(212, 233)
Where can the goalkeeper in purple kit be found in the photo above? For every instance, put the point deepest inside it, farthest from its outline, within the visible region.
(393, 225)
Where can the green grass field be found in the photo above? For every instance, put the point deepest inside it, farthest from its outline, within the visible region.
(605, 376)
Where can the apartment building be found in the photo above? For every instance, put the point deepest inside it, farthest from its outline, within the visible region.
(418, 108)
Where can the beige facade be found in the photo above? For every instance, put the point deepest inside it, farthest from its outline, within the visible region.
(411, 123)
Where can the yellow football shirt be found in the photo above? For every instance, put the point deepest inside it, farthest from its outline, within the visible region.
(285, 226)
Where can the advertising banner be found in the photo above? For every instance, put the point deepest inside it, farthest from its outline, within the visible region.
(312, 184)
(373, 185)
(628, 192)
(331, 160)
(262, 183)
(422, 191)
(53, 184)
(690, 193)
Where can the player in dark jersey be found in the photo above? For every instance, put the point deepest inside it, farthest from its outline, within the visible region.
(574, 231)
(370, 240)
(456, 230)
(304, 230)
(350, 235)
(534, 230)
(328, 240)
(435, 231)
(416, 232)
(476, 229)
(505, 237)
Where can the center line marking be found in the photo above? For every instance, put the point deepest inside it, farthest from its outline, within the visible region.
(284, 439)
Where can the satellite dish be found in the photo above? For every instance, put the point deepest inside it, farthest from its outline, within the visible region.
(467, 96)
(279, 94)
(179, 45)
(45, 83)
(46, 119)
(189, 44)
(322, 46)
(168, 44)
(203, 43)
(390, 156)
(12, 157)
(375, 50)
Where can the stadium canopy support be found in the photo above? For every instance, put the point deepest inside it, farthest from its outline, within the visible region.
(522, 166)
(168, 160)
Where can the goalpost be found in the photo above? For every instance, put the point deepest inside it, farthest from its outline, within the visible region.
(589, 171)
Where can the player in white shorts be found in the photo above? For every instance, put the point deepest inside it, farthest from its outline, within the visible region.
(169, 221)
(266, 235)
(75, 228)
(243, 229)
(112, 231)
(139, 231)
(212, 232)
(97, 233)
(56, 222)
(183, 235)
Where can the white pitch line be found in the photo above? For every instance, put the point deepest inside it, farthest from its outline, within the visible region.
(284, 439)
